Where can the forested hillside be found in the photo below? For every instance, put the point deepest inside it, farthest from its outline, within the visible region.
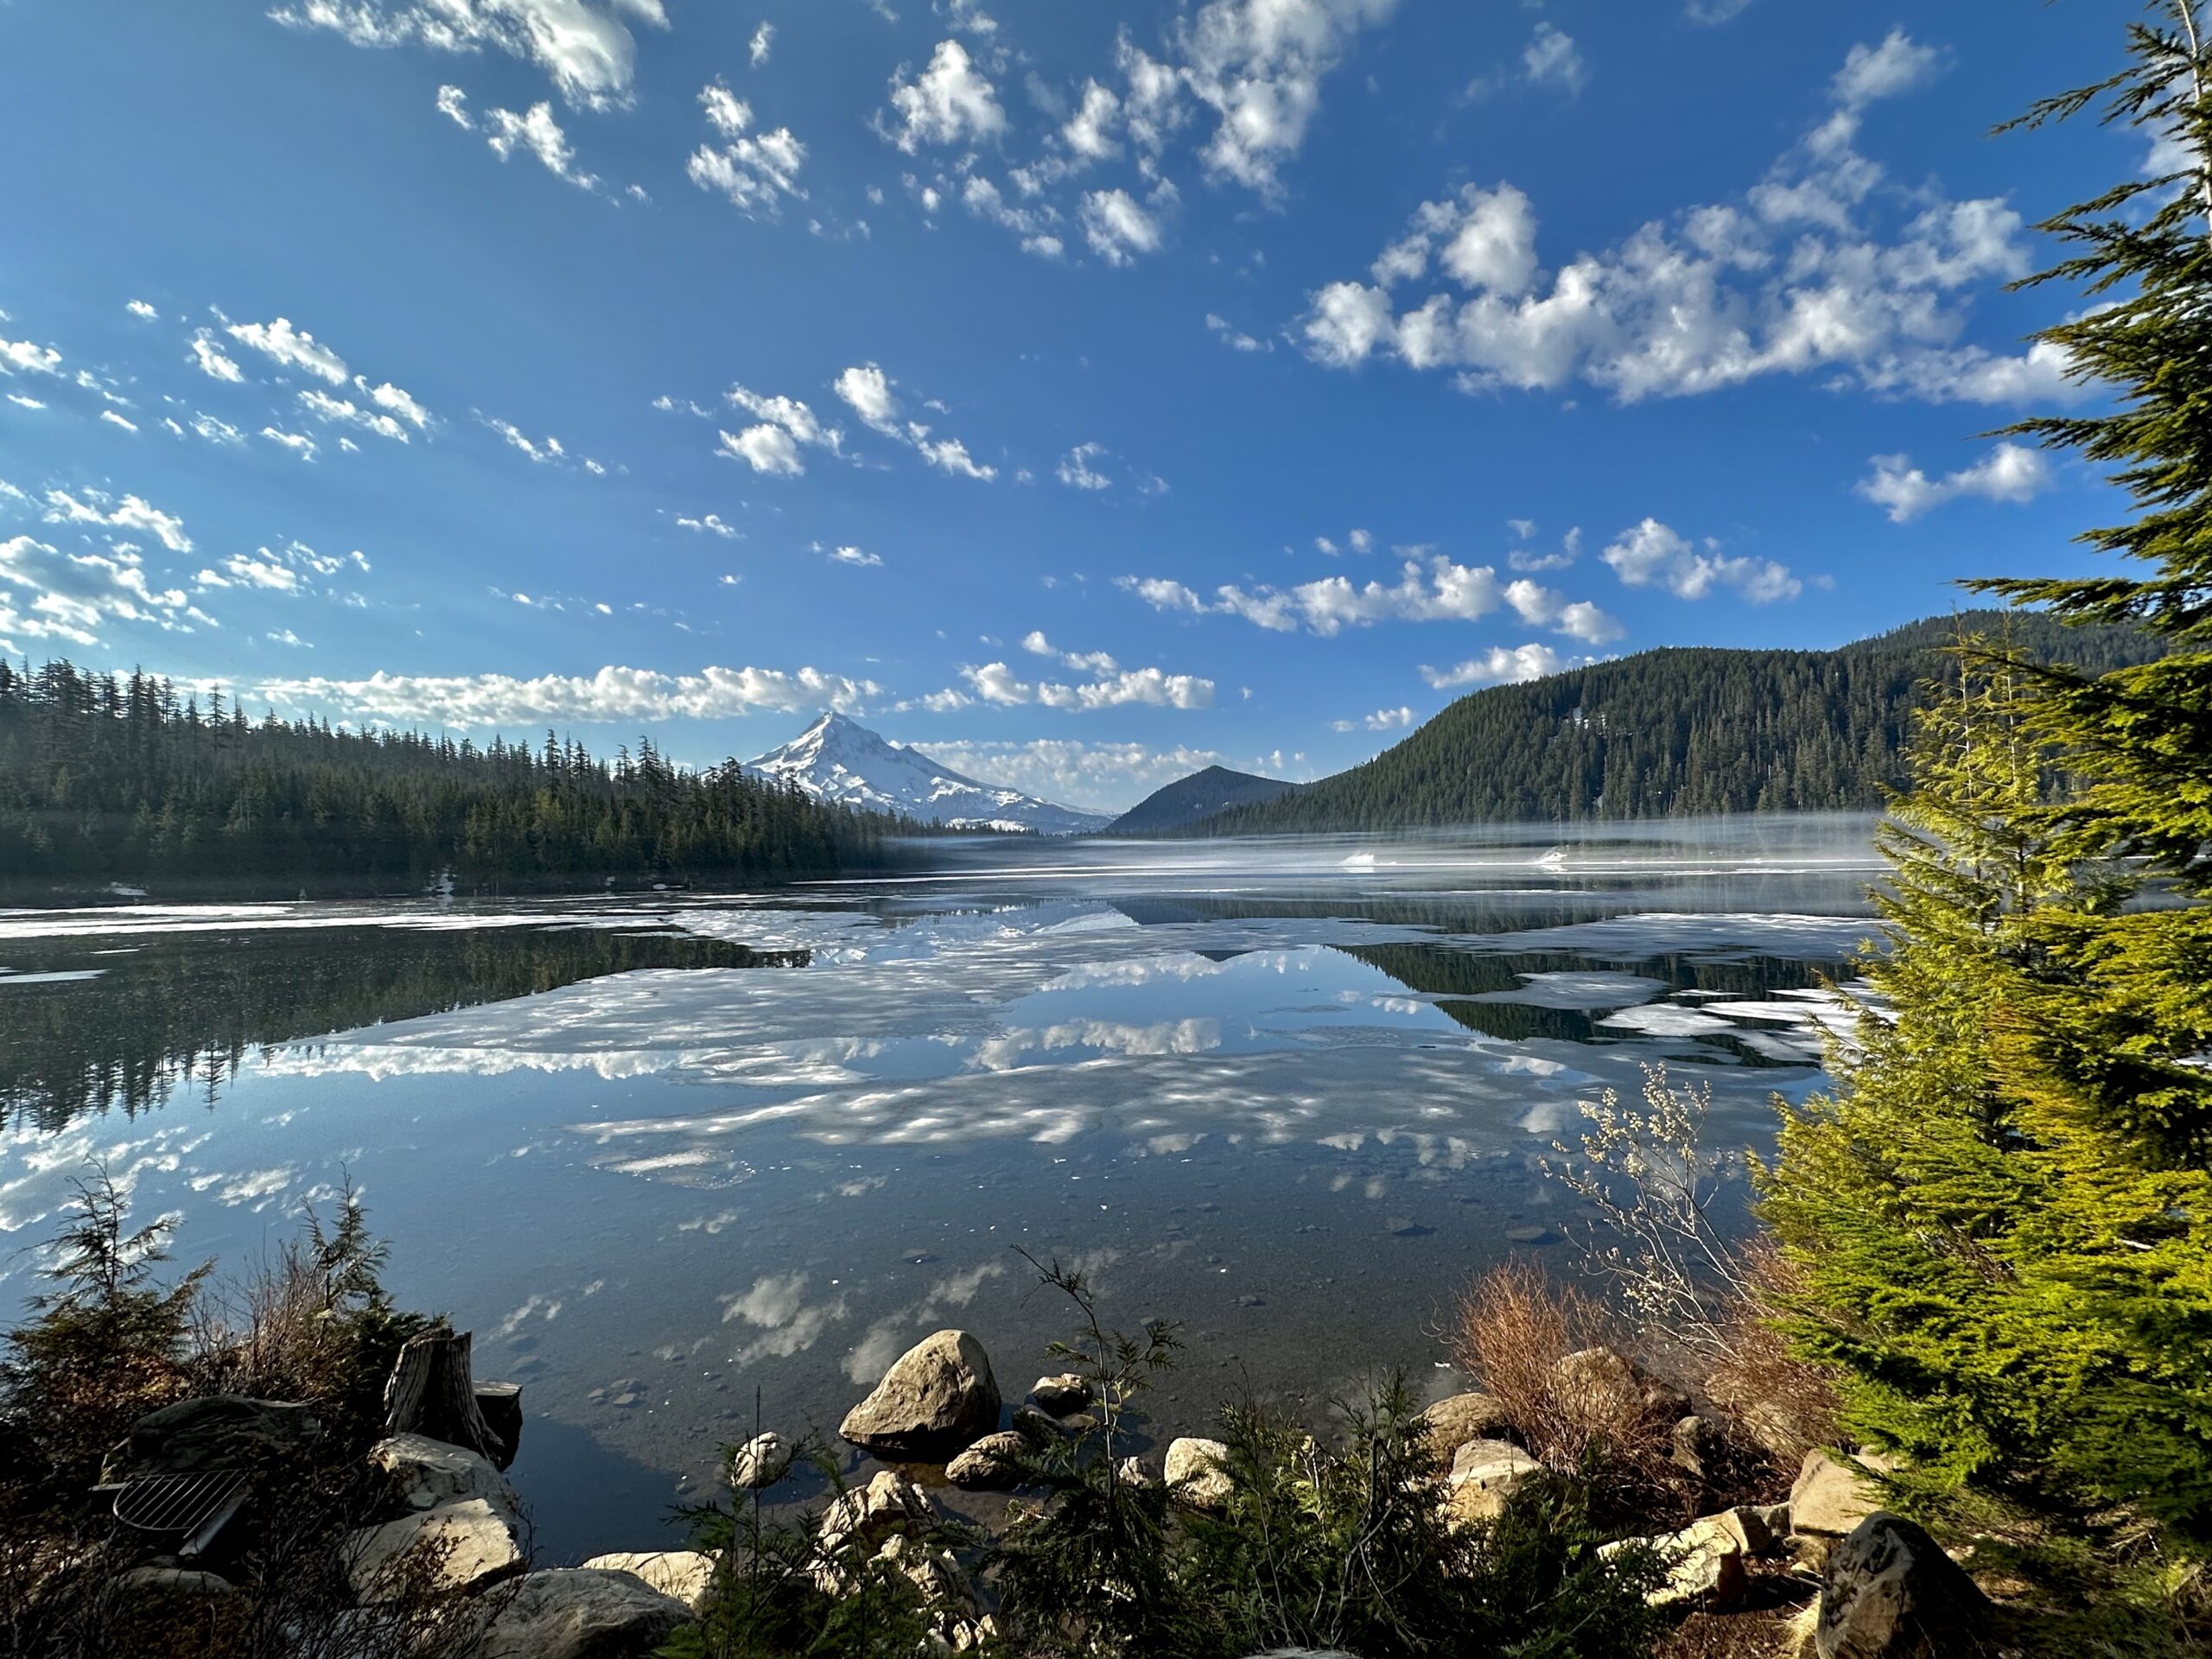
(106, 779)
(1668, 732)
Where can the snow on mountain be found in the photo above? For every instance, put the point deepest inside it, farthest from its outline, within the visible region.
(836, 760)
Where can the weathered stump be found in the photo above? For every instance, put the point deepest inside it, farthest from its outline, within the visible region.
(432, 1393)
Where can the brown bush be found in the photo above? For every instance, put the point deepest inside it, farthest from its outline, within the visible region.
(1514, 1330)
(1786, 1405)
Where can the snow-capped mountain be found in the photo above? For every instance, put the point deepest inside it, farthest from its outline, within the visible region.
(836, 760)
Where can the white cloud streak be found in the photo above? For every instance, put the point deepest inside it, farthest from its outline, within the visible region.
(613, 695)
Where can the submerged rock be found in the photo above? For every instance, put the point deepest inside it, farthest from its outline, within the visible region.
(1890, 1592)
(576, 1612)
(937, 1399)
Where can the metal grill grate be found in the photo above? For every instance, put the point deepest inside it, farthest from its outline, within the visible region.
(196, 1505)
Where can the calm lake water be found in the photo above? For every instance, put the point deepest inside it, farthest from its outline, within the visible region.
(670, 1156)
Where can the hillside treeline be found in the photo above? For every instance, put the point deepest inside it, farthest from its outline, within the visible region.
(108, 779)
(1670, 732)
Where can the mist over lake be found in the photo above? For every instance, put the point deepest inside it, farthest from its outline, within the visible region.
(664, 1154)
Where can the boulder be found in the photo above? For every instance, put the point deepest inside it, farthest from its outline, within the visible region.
(1751, 1527)
(1062, 1394)
(1474, 1417)
(1692, 1442)
(576, 1612)
(1485, 1473)
(1599, 1385)
(1195, 1476)
(1830, 1498)
(454, 1546)
(501, 1406)
(888, 1503)
(761, 1461)
(1131, 1472)
(938, 1398)
(152, 1582)
(1036, 1427)
(991, 1464)
(430, 1474)
(220, 1431)
(1704, 1564)
(686, 1574)
(1890, 1592)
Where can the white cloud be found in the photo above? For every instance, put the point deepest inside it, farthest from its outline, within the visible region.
(1117, 228)
(114, 419)
(21, 402)
(711, 524)
(1433, 590)
(1503, 666)
(344, 411)
(142, 310)
(950, 102)
(211, 358)
(1800, 276)
(1076, 471)
(852, 555)
(866, 388)
(22, 356)
(1715, 11)
(1382, 720)
(1088, 133)
(1651, 554)
(1553, 59)
(240, 571)
(996, 683)
(753, 170)
(453, 104)
(1258, 65)
(286, 637)
(610, 695)
(787, 427)
(298, 442)
(393, 401)
(130, 513)
(537, 132)
(869, 391)
(1089, 662)
(1035, 226)
(49, 594)
(293, 348)
(1897, 66)
(2010, 472)
(1103, 777)
(1235, 338)
(547, 451)
(215, 431)
(587, 52)
(763, 38)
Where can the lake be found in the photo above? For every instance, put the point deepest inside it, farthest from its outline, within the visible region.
(685, 1160)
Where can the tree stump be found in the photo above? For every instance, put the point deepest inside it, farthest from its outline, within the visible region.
(432, 1393)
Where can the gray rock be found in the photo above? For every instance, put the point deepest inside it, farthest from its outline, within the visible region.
(430, 1474)
(888, 1503)
(761, 1461)
(1890, 1592)
(1704, 1564)
(1473, 1416)
(1062, 1394)
(1036, 1427)
(583, 1613)
(1195, 1476)
(685, 1575)
(1485, 1473)
(991, 1464)
(455, 1547)
(219, 1431)
(1830, 1498)
(938, 1398)
(1599, 1384)
(158, 1581)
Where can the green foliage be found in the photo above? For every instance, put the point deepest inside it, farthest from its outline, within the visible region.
(1660, 734)
(106, 779)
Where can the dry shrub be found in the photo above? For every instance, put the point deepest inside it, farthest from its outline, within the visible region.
(1514, 1329)
(1786, 1405)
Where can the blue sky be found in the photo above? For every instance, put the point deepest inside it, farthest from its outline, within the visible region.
(1084, 392)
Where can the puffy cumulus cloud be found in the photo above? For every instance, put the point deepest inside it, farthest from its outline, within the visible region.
(1553, 59)
(1099, 777)
(141, 310)
(949, 102)
(2010, 472)
(612, 695)
(586, 51)
(1501, 665)
(711, 523)
(871, 394)
(763, 39)
(1118, 228)
(536, 133)
(1899, 65)
(1089, 662)
(1382, 720)
(27, 357)
(212, 359)
(1810, 272)
(1258, 65)
(281, 570)
(344, 411)
(996, 683)
(453, 104)
(784, 429)
(129, 514)
(1432, 590)
(46, 593)
(1650, 555)
(753, 170)
(291, 348)
(852, 555)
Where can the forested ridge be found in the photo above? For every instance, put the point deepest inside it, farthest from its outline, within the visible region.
(114, 780)
(1670, 732)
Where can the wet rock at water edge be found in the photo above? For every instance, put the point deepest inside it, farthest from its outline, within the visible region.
(1061, 1395)
(761, 1461)
(583, 1613)
(1474, 1415)
(685, 1575)
(993, 1464)
(938, 1398)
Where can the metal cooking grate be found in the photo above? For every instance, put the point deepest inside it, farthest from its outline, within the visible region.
(180, 1503)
